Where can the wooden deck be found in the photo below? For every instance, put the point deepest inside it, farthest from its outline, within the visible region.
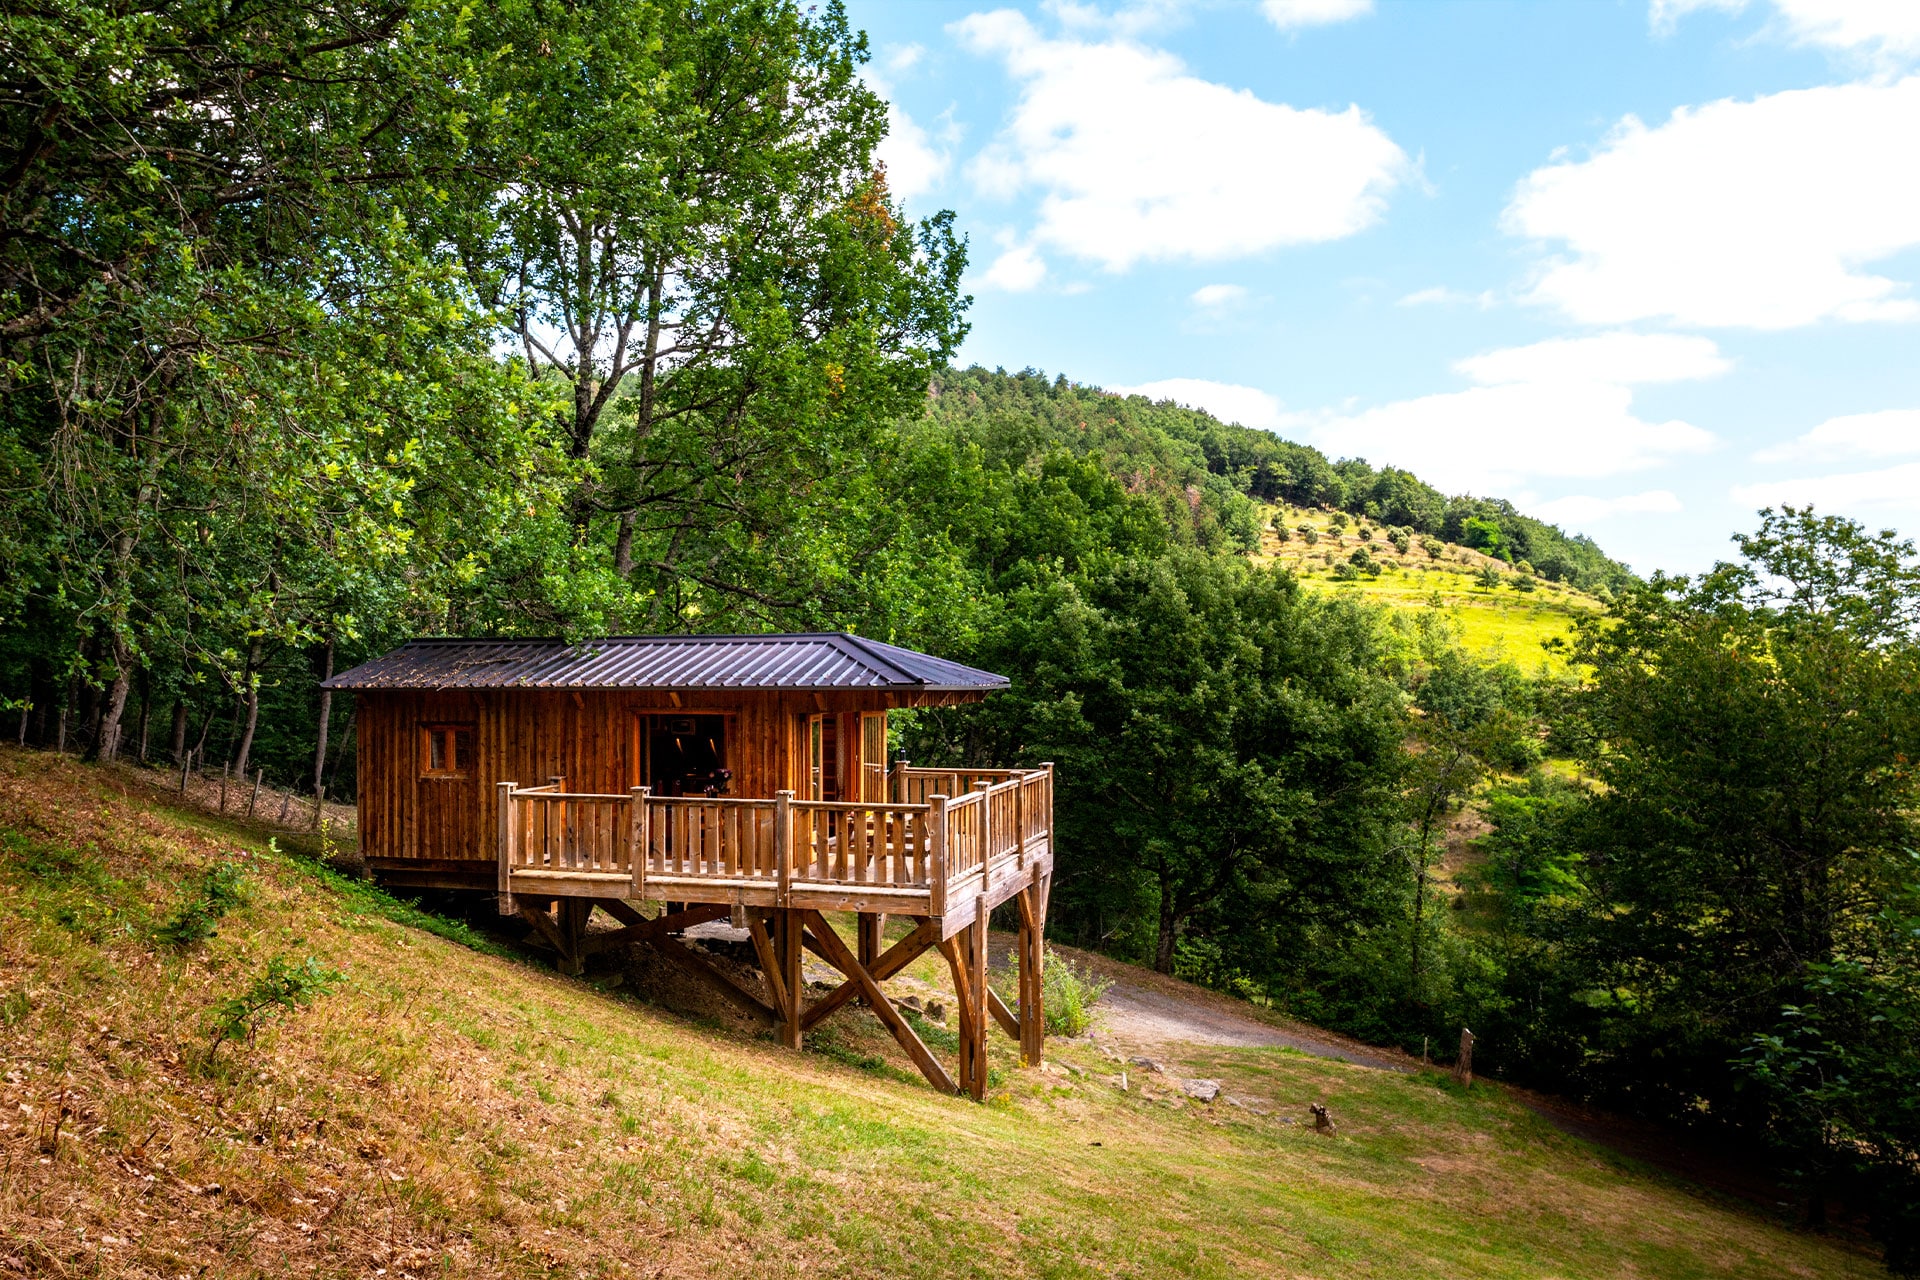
(931, 854)
(944, 851)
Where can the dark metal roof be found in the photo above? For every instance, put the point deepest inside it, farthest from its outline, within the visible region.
(810, 660)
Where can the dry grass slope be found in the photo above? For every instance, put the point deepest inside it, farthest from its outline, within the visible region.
(448, 1112)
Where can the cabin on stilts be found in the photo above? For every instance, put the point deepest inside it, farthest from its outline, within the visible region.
(725, 777)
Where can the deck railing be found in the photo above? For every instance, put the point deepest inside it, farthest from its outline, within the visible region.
(727, 848)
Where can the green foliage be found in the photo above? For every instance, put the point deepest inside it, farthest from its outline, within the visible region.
(219, 891)
(1068, 993)
(1489, 578)
(280, 988)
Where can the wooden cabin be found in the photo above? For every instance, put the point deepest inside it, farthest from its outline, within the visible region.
(738, 777)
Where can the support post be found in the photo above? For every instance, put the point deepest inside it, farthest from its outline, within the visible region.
(1032, 958)
(503, 845)
(575, 912)
(897, 784)
(868, 928)
(977, 961)
(785, 974)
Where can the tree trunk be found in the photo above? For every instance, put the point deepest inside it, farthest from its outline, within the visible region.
(253, 711)
(1169, 929)
(179, 730)
(146, 709)
(326, 711)
(107, 742)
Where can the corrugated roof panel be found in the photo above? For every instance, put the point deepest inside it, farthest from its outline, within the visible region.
(808, 660)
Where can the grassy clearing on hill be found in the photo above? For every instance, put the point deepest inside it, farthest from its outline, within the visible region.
(447, 1112)
(1501, 622)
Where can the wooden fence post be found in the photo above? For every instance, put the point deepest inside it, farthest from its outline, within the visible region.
(259, 777)
(225, 768)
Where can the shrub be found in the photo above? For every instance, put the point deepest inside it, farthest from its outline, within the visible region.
(1068, 994)
(1338, 523)
(1311, 535)
(1433, 547)
(1488, 577)
(1400, 540)
(219, 892)
(1366, 534)
(1344, 572)
(1522, 582)
(1280, 531)
(281, 987)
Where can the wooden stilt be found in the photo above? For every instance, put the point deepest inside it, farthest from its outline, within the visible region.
(897, 957)
(573, 933)
(868, 936)
(786, 943)
(977, 938)
(1032, 958)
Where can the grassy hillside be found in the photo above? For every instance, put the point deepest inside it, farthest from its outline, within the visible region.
(453, 1111)
(1499, 621)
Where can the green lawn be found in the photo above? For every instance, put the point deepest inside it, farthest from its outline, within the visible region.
(452, 1113)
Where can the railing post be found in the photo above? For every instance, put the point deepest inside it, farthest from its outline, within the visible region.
(937, 863)
(1020, 821)
(639, 839)
(503, 844)
(986, 826)
(1048, 766)
(897, 792)
(782, 845)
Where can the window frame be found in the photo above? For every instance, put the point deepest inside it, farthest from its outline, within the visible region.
(449, 732)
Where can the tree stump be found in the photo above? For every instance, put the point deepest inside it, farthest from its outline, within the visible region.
(1463, 1065)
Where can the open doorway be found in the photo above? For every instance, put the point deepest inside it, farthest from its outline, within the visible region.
(687, 755)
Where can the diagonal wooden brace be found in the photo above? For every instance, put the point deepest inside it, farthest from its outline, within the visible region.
(827, 944)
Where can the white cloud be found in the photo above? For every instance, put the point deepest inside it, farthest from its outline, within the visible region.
(1890, 488)
(1872, 27)
(1137, 160)
(1248, 406)
(1219, 295)
(1017, 270)
(1760, 214)
(915, 164)
(904, 57)
(1622, 358)
(1562, 409)
(1441, 295)
(1578, 510)
(1890, 433)
(1290, 15)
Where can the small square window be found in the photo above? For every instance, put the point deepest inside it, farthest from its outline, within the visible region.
(447, 750)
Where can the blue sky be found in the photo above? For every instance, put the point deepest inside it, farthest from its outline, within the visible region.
(1641, 268)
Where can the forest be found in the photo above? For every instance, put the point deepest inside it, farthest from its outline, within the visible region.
(326, 327)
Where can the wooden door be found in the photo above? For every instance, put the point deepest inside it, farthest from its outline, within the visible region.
(873, 757)
(447, 793)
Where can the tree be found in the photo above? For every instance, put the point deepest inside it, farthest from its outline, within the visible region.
(691, 235)
(1757, 731)
(1225, 744)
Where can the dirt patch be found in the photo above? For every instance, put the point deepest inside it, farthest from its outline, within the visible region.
(1147, 1010)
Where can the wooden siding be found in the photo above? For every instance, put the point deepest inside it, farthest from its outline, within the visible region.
(591, 739)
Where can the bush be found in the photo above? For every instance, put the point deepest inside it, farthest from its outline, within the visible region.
(1433, 547)
(1522, 582)
(1280, 532)
(1366, 534)
(1311, 535)
(1400, 540)
(1339, 522)
(218, 893)
(1068, 994)
(280, 988)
